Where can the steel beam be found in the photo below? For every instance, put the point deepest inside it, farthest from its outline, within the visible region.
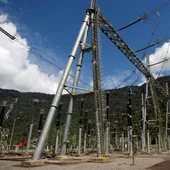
(111, 33)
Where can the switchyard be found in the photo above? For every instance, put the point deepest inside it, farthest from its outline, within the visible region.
(99, 135)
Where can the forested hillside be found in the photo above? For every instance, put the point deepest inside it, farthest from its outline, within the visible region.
(25, 109)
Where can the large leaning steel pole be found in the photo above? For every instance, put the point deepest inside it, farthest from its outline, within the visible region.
(54, 105)
(75, 84)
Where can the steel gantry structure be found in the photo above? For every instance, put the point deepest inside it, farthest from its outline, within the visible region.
(94, 20)
(113, 35)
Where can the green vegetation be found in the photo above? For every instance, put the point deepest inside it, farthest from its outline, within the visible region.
(25, 110)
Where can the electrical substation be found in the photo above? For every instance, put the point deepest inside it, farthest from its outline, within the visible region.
(85, 126)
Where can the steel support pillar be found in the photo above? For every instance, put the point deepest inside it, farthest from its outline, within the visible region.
(85, 142)
(107, 124)
(123, 143)
(57, 141)
(116, 140)
(159, 142)
(75, 83)
(107, 140)
(12, 133)
(143, 123)
(130, 144)
(79, 144)
(148, 142)
(167, 117)
(29, 137)
(130, 130)
(59, 91)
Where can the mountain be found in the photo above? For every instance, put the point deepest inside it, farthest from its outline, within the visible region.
(26, 110)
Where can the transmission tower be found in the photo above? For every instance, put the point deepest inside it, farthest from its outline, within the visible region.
(94, 20)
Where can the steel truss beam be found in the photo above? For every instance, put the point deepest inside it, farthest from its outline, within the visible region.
(111, 33)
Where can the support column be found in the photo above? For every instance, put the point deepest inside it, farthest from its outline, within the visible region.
(123, 143)
(79, 145)
(143, 123)
(159, 142)
(58, 127)
(167, 116)
(85, 142)
(57, 97)
(35, 101)
(107, 125)
(123, 133)
(148, 134)
(57, 141)
(81, 126)
(75, 84)
(12, 133)
(29, 137)
(148, 142)
(130, 144)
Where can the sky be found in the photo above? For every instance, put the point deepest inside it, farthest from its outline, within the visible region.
(50, 28)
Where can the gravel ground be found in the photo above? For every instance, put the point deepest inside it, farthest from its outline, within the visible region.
(117, 164)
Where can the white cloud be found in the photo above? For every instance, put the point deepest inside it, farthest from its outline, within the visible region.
(16, 70)
(159, 55)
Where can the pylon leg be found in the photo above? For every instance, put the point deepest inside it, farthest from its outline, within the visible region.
(85, 142)
(159, 142)
(123, 143)
(131, 144)
(57, 141)
(148, 142)
(75, 83)
(79, 145)
(107, 141)
(57, 97)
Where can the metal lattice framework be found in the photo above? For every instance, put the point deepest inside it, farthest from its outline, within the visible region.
(4, 132)
(97, 79)
(111, 33)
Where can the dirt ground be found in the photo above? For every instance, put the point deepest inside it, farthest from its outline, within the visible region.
(165, 165)
(154, 162)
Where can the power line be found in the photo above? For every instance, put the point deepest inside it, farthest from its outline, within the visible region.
(147, 15)
(149, 46)
(14, 38)
(144, 54)
(152, 35)
(126, 79)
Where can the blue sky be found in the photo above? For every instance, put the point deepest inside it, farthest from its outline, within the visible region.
(51, 28)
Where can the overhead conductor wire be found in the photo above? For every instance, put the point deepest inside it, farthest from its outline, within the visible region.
(14, 38)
